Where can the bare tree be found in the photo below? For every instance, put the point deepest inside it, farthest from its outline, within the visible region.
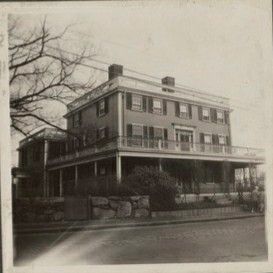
(42, 74)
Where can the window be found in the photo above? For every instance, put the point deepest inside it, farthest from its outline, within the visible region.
(207, 139)
(183, 110)
(77, 118)
(205, 114)
(102, 107)
(158, 133)
(136, 102)
(222, 140)
(220, 116)
(102, 133)
(137, 130)
(157, 106)
(37, 153)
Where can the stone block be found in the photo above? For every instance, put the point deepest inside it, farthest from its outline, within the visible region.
(135, 198)
(58, 216)
(114, 204)
(100, 213)
(141, 213)
(143, 202)
(99, 201)
(124, 209)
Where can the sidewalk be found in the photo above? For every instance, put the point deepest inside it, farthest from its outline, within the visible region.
(123, 223)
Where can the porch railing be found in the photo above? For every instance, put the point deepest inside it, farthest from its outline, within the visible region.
(159, 145)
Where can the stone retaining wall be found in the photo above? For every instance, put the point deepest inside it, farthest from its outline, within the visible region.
(119, 207)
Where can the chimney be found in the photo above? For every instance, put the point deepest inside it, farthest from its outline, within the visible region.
(114, 70)
(168, 81)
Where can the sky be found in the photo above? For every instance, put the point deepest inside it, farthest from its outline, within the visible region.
(220, 47)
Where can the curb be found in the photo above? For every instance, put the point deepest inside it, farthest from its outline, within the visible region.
(75, 228)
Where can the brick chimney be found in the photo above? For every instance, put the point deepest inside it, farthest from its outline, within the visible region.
(168, 81)
(114, 70)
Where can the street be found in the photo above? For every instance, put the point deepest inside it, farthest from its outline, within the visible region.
(219, 241)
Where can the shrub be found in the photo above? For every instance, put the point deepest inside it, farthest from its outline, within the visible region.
(160, 186)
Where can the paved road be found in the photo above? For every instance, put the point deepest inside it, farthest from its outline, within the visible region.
(221, 241)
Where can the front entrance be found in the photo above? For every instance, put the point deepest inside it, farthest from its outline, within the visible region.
(184, 139)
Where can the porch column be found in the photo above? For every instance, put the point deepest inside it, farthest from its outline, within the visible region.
(45, 176)
(118, 167)
(160, 164)
(226, 170)
(76, 177)
(95, 168)
(61, 182)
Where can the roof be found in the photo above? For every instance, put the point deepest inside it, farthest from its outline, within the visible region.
(149, 87)
(44, 134)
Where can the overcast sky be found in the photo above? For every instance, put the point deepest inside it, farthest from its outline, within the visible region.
(220, 48)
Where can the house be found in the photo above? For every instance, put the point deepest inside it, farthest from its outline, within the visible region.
(127, 122)
(29, 179)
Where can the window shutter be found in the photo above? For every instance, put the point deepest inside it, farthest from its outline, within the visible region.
(177, 110)
(129, 101)
(97, 108)
(98, 134)
(144, 103)
(145, 132)
(227, 140)
(200, 115)
(106, 132)
(106, 102)
(212, 114)
(164, 107)
(214, 139)
(226, 113)
(165, 134)
(150, 104)
(215, 115)
(129, 130)
(202, 138)
(151, 132)
(190, 110)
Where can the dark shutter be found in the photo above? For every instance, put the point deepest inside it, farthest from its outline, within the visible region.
(150, 104)
(177, 109)
(190, 110)
(227, 140)
(215, 115)
(164, 107)
(97, 108)
(98, 134)
(129, 101)
(200, 114)
(106, 102)
(106, 132)
(215, 139)
(212, 115)
(73, 121)
(145, 132)
(202, 138)
(129, 130)
(144, 103)
(151, 132)
(165, 134)
(226, 113)
(80, 118)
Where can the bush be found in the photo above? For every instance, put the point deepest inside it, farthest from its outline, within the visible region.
(160, 186)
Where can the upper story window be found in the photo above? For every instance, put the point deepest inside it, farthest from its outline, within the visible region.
(37, 152)
(158, 133)
(207, 138)
(205, 114)
(102, 107)
(220, 116)
(157, 106)
(137, 130)
(24, 155)
(136, 102)
(77, 119)
(222, 139)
